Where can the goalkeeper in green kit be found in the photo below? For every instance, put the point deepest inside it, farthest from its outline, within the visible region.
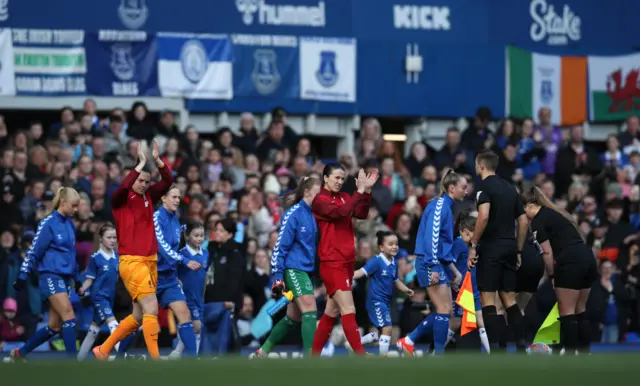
(292, 259)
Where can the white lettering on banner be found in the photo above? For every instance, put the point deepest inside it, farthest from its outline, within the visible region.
(4, 10)
(421, 17)
(125, 88)
(47, 36)
(282, 15)
(559, 28)
(50, 85)
(265, 40)
(121, 36)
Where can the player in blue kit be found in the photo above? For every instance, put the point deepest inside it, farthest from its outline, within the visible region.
(382, 271)
(434, 242)
(193, 281)
(465, 224)
(101, 277)
(169, 291)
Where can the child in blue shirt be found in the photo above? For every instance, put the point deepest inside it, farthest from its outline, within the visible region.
(193, 281)
(465, 224)
(383, 273)
(101, 277)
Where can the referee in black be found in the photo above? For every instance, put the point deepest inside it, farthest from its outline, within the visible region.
(495, 250)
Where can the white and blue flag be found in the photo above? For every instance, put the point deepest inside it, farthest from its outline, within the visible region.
(195, 66)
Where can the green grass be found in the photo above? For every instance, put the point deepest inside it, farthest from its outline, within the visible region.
(447, 370)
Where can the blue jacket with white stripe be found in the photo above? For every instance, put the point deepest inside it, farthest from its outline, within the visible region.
(296, 244)
(167, 228)
(53, 248)
(435, 233)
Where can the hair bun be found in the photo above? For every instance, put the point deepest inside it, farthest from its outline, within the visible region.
(380, 233)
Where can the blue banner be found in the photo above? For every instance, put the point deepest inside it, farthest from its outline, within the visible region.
(49, 62)
(325, 17)
(266, 66)
(122, 64)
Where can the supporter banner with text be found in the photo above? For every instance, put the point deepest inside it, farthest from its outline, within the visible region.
(7, 76)
(195, 66)
(328, 69)
(121, 64)
(266, 66)
(49, 62)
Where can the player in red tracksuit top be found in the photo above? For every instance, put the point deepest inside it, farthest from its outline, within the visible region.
(334, 212)
(133, 204)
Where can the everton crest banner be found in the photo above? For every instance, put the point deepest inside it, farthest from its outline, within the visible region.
(266, 66)
(121, 63)
(195, 66)
(328, 69)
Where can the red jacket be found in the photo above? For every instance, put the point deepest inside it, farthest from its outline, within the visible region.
(333, 213)
(134, 214)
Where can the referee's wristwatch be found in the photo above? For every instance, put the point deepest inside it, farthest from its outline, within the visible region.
(474, 246)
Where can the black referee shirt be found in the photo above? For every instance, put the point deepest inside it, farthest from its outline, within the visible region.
(506, 207)
(551, 225)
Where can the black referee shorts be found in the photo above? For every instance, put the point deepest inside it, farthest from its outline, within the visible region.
(575, 268)
(531, 270)
(496, 268)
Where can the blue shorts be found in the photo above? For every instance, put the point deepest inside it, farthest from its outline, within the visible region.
(101, 310)
(379, 314)
(51, 284)
(423, 272)
(169, 294)
(457, 310)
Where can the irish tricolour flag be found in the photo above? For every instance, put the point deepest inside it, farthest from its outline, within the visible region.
(557, 82)
(614, 87)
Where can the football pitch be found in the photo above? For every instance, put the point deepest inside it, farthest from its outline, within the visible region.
(450, 370)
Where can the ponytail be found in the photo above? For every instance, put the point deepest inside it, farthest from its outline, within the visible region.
(536, 196)
(186, 229)
(450, 178)
(291, 197)
(64, 194)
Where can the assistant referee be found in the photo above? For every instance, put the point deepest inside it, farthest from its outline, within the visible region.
(495, 250)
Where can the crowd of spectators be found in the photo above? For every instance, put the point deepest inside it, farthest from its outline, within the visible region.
(240, 173)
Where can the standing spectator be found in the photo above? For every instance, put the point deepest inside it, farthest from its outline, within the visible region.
(257, 280)
(115, 139)
(11, 215)
(452, 154)
(171, 156)
(233, 173)
(506, 134)
(392, 180)
(140, 126)
(508, 165)
(530, 151)
(478, 135)
(608, 304)
(576, 159)
(167, 126)
(613, 157)
(417, 159)
(630, 139)
(370, 139)
(274, 141)
(247, 136)
(551, 137)
(192, 143)
(36, 133)
(4, 133)
(290, 136)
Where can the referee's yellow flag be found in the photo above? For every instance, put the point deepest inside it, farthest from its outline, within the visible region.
(549, 332)
(465, 296)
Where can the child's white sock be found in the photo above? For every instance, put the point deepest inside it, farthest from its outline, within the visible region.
(384, 342)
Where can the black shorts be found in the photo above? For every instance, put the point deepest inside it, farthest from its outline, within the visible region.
(496, 268)
(531, 270)
(575, 268)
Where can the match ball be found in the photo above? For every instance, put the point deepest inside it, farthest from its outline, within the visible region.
(393, 354)
(539, 349)
(273, 355)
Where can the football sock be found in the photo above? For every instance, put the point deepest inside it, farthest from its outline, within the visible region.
(384, 342)
(440, 330)
(279, 332)
(69, 337)
(188, 338)
(484, 340)
(352, 333)
(425, 327)
(88, 341)
(126, 327)
(150, 330)
(197, 343)
(569, 328)
(492, 325)
(517, 325)
(112, 327)
(179, 347)
(41, 336)
(308, 330)
(323, 331)
(584, 333)
(450, 335)
(369, 338)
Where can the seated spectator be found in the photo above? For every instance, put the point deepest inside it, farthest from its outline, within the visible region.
(10, 329)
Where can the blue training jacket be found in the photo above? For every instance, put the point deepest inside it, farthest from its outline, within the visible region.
(167, 228)
(296, 244)
(53, 248)
(435, 233)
